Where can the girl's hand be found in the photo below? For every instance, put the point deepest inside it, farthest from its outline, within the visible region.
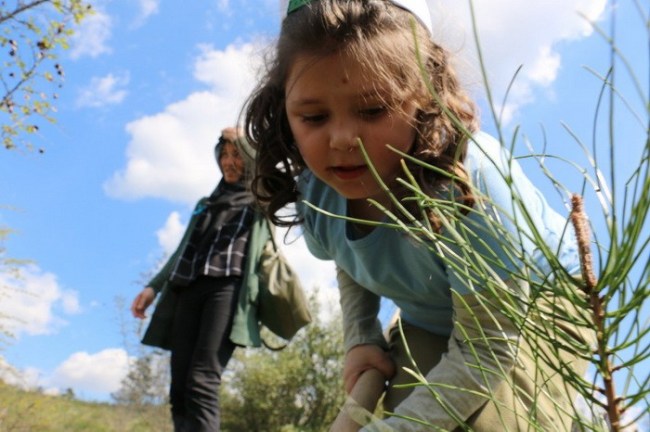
(365, 394)
(363, 357)
(142, 302)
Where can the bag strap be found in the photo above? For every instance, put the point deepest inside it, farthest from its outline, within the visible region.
(275, 248)
(274, 348)
(271, 233)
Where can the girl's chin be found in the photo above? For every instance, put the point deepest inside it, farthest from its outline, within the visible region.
(358, 192)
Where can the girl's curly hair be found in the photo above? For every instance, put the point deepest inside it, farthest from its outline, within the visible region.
(398, 55)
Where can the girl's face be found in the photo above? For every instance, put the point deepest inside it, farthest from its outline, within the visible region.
(329, 106)
(231, 163)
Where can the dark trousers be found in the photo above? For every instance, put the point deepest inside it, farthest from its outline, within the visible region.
(200, 350)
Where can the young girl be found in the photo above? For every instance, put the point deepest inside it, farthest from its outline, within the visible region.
(345, 75)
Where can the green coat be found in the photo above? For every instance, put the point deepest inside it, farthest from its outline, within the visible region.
(245, 329)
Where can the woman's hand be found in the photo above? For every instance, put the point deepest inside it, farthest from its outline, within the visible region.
(363, 357)
(142, 302)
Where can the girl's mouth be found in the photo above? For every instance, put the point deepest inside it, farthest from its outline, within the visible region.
(349, 172)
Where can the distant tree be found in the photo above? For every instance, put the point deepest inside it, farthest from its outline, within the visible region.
(7, 264)
(147, 381)
(297, 388)
(9, 270)
(32, 33)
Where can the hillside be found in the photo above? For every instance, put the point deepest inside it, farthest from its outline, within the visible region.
(30, 411)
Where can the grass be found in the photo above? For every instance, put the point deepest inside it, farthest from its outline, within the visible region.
(28, 411)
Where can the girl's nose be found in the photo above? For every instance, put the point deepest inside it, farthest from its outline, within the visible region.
(343, 135)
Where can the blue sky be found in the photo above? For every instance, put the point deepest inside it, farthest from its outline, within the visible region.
(149, 85)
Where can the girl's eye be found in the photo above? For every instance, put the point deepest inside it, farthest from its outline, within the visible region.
(373, 112)
(313, 118)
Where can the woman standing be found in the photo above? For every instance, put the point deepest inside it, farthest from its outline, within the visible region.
(205, 308)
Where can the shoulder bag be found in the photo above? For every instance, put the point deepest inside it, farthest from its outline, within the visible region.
(283, 307)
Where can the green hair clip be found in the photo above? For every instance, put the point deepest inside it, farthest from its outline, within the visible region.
(296, 4)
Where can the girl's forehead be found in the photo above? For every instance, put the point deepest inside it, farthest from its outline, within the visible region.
(317, 76)
(325, 69)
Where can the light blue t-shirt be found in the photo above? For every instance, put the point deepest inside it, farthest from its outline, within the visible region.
(392, 264)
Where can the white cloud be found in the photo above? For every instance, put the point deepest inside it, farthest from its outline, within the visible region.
(26, 379)
(169, 236)
(283, 5)
(170, 153)
(513, 33)
(91, 36)
(91, 374)
(34, 303)
(229, 73)
(148, 8)
(107, 90)
(223, 5)
(634, 419)
(10, 374)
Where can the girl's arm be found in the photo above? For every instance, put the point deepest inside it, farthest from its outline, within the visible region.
(483, 336)
(360, 308)
(364, 341)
